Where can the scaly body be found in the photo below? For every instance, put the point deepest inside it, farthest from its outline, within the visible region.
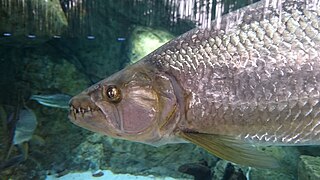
(257, 77)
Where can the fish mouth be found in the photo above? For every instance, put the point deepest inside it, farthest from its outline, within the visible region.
(85, 113)
(82, 108)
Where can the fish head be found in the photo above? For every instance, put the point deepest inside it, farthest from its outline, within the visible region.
(137, 104)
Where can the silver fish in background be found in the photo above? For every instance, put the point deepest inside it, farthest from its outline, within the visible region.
(252, 79)
(53, 100)
(25, 126)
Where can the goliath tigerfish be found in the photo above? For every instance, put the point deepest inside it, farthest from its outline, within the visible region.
(252, 79)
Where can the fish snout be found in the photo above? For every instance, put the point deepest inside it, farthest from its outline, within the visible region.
(80, 106)
(85, 113)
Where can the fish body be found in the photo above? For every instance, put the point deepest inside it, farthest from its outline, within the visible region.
(53, 100)
(252, 78)
(25, 126)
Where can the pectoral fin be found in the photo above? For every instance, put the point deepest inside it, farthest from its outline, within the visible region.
(231, 149)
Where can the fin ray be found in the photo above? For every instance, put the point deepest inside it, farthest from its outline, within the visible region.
(231, 149)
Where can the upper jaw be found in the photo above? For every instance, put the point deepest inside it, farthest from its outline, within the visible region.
(86, 114)
(82, 107)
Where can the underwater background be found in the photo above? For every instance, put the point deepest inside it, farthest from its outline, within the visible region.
(50, 50)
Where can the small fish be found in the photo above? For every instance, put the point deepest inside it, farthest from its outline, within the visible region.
(253, 79)
(25, 126)
(54, 100)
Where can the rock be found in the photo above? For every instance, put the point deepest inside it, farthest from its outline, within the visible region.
(138, 159)
(219, 169)
(288, 158)
(45, 73)
(309, 150)
(269, 174)
(200, 170)
(101, 56)
(144, 40)
(91, 154)
(227, 171)
(309, 168)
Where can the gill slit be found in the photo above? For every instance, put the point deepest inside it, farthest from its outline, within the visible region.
(180, 96)
(119, 117)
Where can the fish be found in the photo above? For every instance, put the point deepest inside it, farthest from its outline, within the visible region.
(53, 100)
(25, 126)
(252, 79)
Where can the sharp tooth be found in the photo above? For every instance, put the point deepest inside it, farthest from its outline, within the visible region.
(79, 109)
(74, 114)
(89, 109)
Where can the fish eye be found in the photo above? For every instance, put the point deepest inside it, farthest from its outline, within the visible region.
(113, 94)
